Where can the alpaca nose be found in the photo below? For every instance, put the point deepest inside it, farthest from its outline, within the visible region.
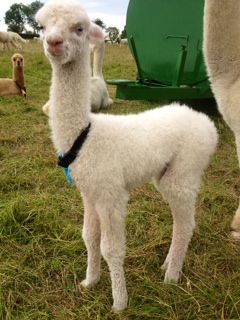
(55, 44)
(55, 41)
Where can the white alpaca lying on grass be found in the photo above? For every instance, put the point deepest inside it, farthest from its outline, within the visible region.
(124, 42)
(11, 39)
(170, 146)
(222, 55)
(99, 93)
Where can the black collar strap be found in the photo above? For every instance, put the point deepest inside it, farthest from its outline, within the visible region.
(66, 159)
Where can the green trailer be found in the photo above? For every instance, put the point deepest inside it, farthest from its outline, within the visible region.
(165, 38)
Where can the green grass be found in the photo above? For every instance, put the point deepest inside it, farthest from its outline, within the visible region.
(42, 255)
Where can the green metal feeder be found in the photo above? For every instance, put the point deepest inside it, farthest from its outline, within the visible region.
(165, 38)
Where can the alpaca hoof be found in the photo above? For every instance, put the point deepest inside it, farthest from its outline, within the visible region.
(171, 277)
(168, 280)
(235, 225)
(235, 235)
(88, 284)
(116, 310)
(119, 308)
(45, 109)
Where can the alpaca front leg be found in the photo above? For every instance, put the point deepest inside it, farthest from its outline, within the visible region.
(113, 250)
(236, 225)
(91, 235)
(236, 219)
(183, 225)
(168, 258)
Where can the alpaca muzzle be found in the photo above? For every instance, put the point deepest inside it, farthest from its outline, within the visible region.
(55, 50)
(54, 45)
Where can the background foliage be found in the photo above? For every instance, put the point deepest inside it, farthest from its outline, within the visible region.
(19, 17)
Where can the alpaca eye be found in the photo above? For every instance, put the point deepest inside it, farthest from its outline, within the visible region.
(41, 28)
(14, 59)
(79, 30)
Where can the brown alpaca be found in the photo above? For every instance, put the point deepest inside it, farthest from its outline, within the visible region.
(14, 86)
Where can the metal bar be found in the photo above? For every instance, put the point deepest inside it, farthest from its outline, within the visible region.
(136, 91)
(175, 36)
(179, 66)
(140, 76)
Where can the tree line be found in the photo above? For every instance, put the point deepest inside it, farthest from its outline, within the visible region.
(20, 19)
(112, 31)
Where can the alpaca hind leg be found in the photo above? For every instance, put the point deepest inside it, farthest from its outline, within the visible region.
(167, 259)
(112, 220)
(91, 235)
(183, 225)
(7, 46)
(177, 230)
(182, 203)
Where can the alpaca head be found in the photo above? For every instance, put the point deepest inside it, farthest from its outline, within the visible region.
(17, 61)
(66, 30)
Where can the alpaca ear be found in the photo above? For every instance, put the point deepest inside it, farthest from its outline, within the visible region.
(96, 34)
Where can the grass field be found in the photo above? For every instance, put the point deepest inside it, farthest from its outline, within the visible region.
(42, 255)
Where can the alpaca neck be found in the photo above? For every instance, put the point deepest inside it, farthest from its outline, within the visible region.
(70, 101)
(98, 55)
(18, 76)
(221, 37)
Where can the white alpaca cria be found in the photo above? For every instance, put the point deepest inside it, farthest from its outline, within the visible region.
(99, 94)
(170, 146)
(16, 85)
(11, 39)
(222, 55)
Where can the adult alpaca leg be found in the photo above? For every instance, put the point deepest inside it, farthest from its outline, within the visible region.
(236, 219)
(222, 51)
(91, 235)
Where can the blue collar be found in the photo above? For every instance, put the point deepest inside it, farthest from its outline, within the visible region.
(67, 172)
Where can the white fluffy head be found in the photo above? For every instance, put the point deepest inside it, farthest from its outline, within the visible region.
(66, 30)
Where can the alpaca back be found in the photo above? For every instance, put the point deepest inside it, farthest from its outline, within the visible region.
(150, 140)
